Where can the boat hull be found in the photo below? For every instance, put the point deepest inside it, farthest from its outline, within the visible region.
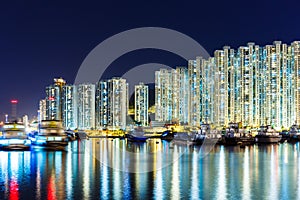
(15, 144)
(49, 141)
(133, 138)
(267, 139)
(51, 144)
(247, 140)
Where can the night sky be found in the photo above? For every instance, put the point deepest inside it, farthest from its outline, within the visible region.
(41, 40)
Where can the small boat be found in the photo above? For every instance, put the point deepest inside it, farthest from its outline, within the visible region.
(184, 137)
(285, 136)
(14, 137)
(208, 135)
(71, 135)
(294, 134)
(267, 134)
(235, 135)
(136, 135)
(167, 135)
(232, 134)
(189, 137)
(50, 134)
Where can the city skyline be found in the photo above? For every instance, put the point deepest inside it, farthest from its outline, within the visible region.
(45, 40)
(255, 85)
(32, 113)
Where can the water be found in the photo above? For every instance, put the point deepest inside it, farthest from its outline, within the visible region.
(81, 172)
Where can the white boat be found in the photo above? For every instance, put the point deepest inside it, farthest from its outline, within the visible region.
(14, 137)
(267, 134)
(50, 133)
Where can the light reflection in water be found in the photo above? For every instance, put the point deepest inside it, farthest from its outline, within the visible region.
(51, 190)
(246, 176)
(221, 181)
(86, 172)
(194, 181)
(175, 182)
(298, 179)
(266, 172)
(273, 193)
(69, 174)
(13, 189)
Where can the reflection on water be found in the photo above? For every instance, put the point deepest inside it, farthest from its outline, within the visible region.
(82, 172)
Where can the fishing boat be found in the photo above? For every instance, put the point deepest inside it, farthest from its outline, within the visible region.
(14, 136)
(267, 134)
(237, 136)
(136, 135)
(50, 134)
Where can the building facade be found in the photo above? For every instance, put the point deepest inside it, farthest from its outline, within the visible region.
(69, 107)
(141, 104)
(172, 95)
(53, 100)
(42, 110)
(86, 106)
(112, 103)
(253, 85)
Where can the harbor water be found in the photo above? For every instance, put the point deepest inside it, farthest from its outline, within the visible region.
(119, 169)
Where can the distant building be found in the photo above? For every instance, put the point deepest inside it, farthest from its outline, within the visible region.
(141, 103)
(86, 106)
(69, 107)
(171, 95)
(102, 104)
(53, 100)
(111, 103)
(42, 110)
(25, 121)
(253, 85)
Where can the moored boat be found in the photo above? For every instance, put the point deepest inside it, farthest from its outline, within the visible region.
(136, 135)
(267, 134)
(190, 136)
(167, 135)
(294, 134)
(14, 137)
(232, 135)
(50, 134)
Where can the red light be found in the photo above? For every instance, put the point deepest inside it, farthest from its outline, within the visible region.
(13, 189)
(51, 98)
(14, 101)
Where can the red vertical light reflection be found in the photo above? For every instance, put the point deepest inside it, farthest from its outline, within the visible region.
(51, 189)
(13, 189)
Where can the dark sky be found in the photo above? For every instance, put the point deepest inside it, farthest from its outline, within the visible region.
(40, 40)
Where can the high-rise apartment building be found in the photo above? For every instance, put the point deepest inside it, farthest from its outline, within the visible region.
(102, 104)
(86, 106)
(112, 103)
(253, 85)
(69, 107)
(141, 103)
(171, 95)
(42, 110)
(53, 100)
